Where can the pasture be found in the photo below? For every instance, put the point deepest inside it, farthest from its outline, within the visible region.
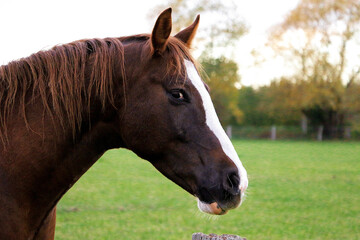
(297, 190)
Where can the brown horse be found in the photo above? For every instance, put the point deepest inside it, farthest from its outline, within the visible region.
(61, 109)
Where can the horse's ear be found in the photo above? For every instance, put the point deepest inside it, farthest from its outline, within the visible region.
(161, 31)
(188, 34)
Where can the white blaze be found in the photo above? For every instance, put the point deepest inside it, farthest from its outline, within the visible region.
(213, 123)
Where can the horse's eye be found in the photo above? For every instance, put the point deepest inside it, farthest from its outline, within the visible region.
(178, 95)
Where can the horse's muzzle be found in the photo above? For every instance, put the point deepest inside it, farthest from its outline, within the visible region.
(221, 197)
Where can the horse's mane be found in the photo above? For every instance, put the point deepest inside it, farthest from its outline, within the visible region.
(65, 83)
(59, 77)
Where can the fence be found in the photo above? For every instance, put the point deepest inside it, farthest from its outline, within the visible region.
(288, 132)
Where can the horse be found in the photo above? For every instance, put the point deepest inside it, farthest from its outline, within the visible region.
(62, 108)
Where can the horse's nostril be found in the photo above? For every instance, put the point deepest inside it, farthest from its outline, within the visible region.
(233, 181)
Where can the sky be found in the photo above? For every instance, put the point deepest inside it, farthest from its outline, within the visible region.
(30, 26)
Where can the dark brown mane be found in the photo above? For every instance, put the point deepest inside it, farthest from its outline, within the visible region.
(63, 80)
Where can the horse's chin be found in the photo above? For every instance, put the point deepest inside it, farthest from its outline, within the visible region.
(212, 208)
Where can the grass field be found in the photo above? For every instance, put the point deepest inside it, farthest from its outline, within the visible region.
(298, 190)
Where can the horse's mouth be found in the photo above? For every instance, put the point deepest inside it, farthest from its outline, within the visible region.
(212, 208)
(216, 207)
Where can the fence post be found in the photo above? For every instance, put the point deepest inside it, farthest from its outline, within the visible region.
(273, 132)
(347, 134)
(229, 131)
(211, 236)
(320, 133)
(304, 124)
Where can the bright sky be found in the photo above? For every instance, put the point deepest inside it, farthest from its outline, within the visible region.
(30, 26)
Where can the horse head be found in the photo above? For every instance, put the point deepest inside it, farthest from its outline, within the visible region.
(169, 119)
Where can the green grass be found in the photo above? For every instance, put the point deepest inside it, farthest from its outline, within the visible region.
(298, 190)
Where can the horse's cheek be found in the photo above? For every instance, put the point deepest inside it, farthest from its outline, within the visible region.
(145, 131)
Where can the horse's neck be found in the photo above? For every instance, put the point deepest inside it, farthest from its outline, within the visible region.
(42, 161)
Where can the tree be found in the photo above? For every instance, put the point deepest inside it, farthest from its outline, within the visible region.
(324, 71)
(352, 104)
(250, 102)
(279, 103)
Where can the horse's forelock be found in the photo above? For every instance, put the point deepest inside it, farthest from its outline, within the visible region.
(178, 52)
(175, 54)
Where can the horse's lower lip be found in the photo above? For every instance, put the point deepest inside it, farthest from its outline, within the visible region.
(216, 209)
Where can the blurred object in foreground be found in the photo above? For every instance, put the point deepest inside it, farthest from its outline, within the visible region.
(211, 236)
